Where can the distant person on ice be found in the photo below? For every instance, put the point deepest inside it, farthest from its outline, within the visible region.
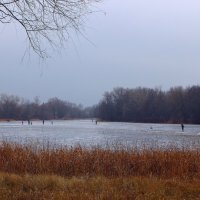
(182, 127)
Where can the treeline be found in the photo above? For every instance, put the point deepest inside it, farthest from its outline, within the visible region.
(177, 105)
(14, 107)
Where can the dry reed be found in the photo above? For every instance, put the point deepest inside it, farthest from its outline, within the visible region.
(43, 187)
(92, 162)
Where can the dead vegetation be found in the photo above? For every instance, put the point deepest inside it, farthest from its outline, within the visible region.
(51, 173)
(92, 162)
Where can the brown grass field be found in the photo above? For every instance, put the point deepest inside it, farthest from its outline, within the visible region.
(82, 173)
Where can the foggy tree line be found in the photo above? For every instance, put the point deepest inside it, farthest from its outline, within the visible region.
(14, 107)
(177, 105)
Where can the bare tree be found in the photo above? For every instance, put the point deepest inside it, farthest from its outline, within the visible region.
(49, 20)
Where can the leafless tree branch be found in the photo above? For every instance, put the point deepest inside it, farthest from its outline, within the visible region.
(49, 20)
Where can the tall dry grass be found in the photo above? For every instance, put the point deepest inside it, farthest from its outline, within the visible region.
(79, 161)
(45, 187)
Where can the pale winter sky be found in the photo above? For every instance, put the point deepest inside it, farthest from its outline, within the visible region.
(150, 43)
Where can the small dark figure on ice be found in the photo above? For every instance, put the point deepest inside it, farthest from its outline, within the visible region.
(182, 127)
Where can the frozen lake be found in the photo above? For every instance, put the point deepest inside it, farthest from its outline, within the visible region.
(86, 132)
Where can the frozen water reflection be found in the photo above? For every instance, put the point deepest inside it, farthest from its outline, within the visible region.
(87, 133)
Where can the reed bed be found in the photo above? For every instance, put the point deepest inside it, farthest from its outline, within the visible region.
(79, 161)
(45, 187)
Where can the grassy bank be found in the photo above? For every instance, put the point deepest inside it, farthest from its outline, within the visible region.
(14, 187)
(80, 173)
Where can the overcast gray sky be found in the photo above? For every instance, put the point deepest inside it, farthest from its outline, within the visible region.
(149, 43)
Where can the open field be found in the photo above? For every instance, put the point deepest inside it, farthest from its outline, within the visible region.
(82, 173)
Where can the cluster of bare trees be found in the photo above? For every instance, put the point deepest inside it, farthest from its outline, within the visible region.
(151, 105)
(177, 105)
(13, 107)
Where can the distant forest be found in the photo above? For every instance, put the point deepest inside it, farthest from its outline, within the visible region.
(177, 105)
(13, 107)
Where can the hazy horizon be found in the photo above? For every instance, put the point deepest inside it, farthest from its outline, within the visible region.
(135, 43)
